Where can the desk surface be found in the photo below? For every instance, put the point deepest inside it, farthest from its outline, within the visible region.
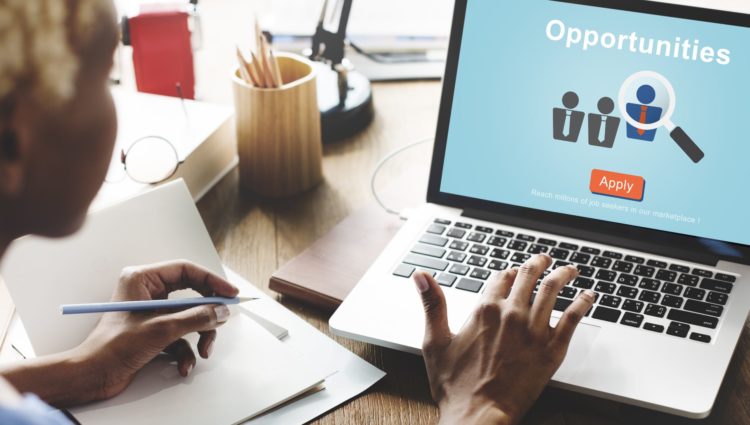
(256, 236)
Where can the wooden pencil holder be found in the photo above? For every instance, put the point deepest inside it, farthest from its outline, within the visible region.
(278, 131)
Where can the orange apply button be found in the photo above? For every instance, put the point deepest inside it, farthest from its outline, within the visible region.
(618, 185)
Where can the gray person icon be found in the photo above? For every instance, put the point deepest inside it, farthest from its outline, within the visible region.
(603, 127)
(567, 122)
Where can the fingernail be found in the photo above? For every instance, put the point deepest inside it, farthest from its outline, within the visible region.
(590, 294)
(222, 313)
(210, 348)
(189, 369)
(422, 283)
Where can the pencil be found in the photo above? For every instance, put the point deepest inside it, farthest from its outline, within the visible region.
(149, 305)
(259, 71)
(275, 69)
(244, 69)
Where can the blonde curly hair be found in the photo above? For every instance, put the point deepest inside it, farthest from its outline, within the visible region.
(38, 42)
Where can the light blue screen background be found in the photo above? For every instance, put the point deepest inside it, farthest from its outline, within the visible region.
(510, 76)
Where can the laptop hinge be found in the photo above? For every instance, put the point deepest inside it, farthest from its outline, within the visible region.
(636, 244)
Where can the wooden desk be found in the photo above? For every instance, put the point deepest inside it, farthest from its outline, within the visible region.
(255, 237)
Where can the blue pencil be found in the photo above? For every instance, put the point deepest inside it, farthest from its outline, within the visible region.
(149, 305)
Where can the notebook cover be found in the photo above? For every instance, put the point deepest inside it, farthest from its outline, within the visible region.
(324, 274)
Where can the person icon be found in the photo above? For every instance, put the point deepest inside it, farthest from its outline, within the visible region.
(567, 123)
(603, 127)
(643, 113)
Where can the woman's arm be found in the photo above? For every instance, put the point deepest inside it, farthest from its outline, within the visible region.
(496, 367)
(122, 343)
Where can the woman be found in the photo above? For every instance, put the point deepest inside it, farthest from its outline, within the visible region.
(57, 132)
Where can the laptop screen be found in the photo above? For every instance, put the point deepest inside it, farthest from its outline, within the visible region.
(607, 114)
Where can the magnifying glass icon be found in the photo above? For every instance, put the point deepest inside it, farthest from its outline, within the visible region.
(661, 86)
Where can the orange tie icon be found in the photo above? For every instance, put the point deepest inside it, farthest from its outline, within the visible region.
(644, 108)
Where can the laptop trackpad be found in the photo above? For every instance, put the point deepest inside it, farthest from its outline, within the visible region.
(578, 351)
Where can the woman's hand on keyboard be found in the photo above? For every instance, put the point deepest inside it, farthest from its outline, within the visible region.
(496, 367)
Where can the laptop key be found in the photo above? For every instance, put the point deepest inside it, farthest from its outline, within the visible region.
(518, 245)
(568, 292)
(666, 275)
(582, 282)
(695, 293)
(700, 337)
(632, 319)
(456, 233)
(693, 318)
(592, 251)
(548, 242)
(688, 279)
(605, 288)
(649, 296)
(481, 274)
(644, 271)
(500, 253)
(657, 264)
(505, 233)
(606, 275)
(703, 273)
(479, 249)
(622, 266)
(725, 277)
(483, 229)
(470, 285)
(569, 246)
(538, 249)
(716, 285)
(579, 258)
(497, 241)
(431, 251)
(431, 239)
(476, 260)
(653, 327)
(679, 269)
(655, 310)
(610, 301)
(429, 263)
(607, 314)
(463, 225)
(456, 256)
(650, 284)
(559, 254)
(704, 308)
(436, 229)
(672, 288)
(671, 301)
(627, 292)
(459, 269)
(443, 221)
(634, 259)
(477, 237)
(601, 262)
(446, 279)
(520, 257)
(678, 329)
(404, 270)
(527, 238)
(633, 305)
(459, 245)
(627, 279)
(561, 304)
(586, 271)
(612, 254)
(498, 265)
(717, 298)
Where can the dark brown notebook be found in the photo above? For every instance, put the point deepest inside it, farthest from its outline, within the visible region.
(324, 274)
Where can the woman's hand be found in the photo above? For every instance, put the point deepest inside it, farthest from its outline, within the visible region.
(123, 343)
(496, 367)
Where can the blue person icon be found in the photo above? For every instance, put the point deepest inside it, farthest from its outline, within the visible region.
(643, 113)
(567, 123)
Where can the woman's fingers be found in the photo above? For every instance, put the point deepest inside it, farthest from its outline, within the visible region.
(437, 332)
(546, 296)
(183, 354)
(206, 343)
(197, 319)
(500, 285)
(572, 316)
(162, 278)
(528, 275)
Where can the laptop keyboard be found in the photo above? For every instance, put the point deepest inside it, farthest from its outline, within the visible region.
(635, 291)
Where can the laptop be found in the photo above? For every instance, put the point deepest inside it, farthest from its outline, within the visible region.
(607, 134)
